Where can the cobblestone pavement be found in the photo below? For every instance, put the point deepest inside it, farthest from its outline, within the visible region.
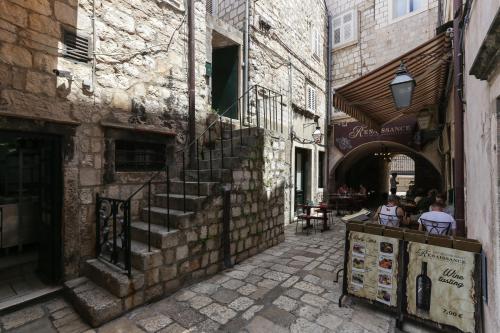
(288, 288)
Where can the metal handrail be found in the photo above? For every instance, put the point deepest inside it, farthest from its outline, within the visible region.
(269, 105)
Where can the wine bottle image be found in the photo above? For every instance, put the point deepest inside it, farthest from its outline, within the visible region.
(424, 286)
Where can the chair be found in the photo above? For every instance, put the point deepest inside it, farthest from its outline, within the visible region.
(301, 218)
(389, 220)
(435, 227)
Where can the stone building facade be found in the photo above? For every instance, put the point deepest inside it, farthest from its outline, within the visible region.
(93, 80)
(288, 49)
(369, 34)
(482, 111)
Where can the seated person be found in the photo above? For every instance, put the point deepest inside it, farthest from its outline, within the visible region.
(441, 197)
(362, 190)
(423, 205)
(445, 221)
(343, 189)
(390, 214)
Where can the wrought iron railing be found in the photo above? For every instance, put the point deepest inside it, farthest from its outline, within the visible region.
(264, 110)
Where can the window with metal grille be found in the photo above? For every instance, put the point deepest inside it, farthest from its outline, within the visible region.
(139, 156)
(345, 28)
(76, 47)
(212, 6)
(311, 98)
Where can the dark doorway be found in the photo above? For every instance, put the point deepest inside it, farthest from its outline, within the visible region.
(302, 176)
(225, 80)
(30, 212)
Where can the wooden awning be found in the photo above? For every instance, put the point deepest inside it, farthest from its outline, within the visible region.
(369, 99)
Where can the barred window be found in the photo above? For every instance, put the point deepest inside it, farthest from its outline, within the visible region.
(139, 156)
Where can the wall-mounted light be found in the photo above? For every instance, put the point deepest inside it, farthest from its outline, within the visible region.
(317, 135)
(402, 87)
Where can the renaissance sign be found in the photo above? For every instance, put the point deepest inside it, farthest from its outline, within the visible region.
(440, 285)
(348, 136)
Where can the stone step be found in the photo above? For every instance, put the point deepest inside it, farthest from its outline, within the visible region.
(112, 279)
(206, 188)
(96, 305)
(192, 203)
(159, 216)
(219, 175)
(160, 236)
(143, 259)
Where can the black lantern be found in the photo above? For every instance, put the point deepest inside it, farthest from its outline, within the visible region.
(317, 135)
(402, 87)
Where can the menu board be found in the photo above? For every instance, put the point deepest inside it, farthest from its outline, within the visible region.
(440, 285)
(372, 268)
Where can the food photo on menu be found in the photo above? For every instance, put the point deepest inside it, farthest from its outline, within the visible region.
(386, 248)
(384, 296)
(357, 279)
(385, 263)
(358, 263)
(358, 248)
(385, 280)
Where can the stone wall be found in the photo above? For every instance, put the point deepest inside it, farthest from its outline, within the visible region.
(141, 56)
(481, 136)
(380, 39)
(257, 223)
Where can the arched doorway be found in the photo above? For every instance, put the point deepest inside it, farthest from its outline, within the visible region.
(370, 165)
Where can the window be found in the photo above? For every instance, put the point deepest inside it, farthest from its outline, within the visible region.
(316, 43)
(76, 47)
(321, 167)
(311, 96)
(400, 8)
(212, 7)
(139, 156)
(345, 28)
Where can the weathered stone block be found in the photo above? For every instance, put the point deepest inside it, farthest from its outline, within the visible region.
(16, 55)
(41, 83)
(39, 6)
(168, 272)
(65, 13)
(44, 24)
(153, 292)
(134, 300)
(151, 277)
(13, 13)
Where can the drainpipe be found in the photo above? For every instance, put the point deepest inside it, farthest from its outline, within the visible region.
(329, 64)
(191, 82)
(458, 113)
(246, 43)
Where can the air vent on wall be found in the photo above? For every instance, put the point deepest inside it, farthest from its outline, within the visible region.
(76, 47)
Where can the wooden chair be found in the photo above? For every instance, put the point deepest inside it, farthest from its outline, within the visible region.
(435, 227)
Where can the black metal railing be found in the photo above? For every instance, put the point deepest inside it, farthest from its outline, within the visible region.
(263, 111)
(113, 232)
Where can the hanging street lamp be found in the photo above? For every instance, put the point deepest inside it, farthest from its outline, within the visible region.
(402, 87)
(317, 135)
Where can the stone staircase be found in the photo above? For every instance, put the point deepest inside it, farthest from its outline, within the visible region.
(178, 255)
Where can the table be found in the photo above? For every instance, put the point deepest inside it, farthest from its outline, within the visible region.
(308, 217)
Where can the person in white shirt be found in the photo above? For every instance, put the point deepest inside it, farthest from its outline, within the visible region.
(446, 224)
(390, 214)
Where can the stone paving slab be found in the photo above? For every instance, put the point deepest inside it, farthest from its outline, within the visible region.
(288, 288)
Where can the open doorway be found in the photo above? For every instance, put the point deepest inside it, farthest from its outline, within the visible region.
(302, 176)
(225, 80)
(30, 214)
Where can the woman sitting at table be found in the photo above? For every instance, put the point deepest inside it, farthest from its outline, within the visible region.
(390, 214)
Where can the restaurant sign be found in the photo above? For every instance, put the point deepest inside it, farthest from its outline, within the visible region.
(373, 267)
(440, 285)
(349, 136)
